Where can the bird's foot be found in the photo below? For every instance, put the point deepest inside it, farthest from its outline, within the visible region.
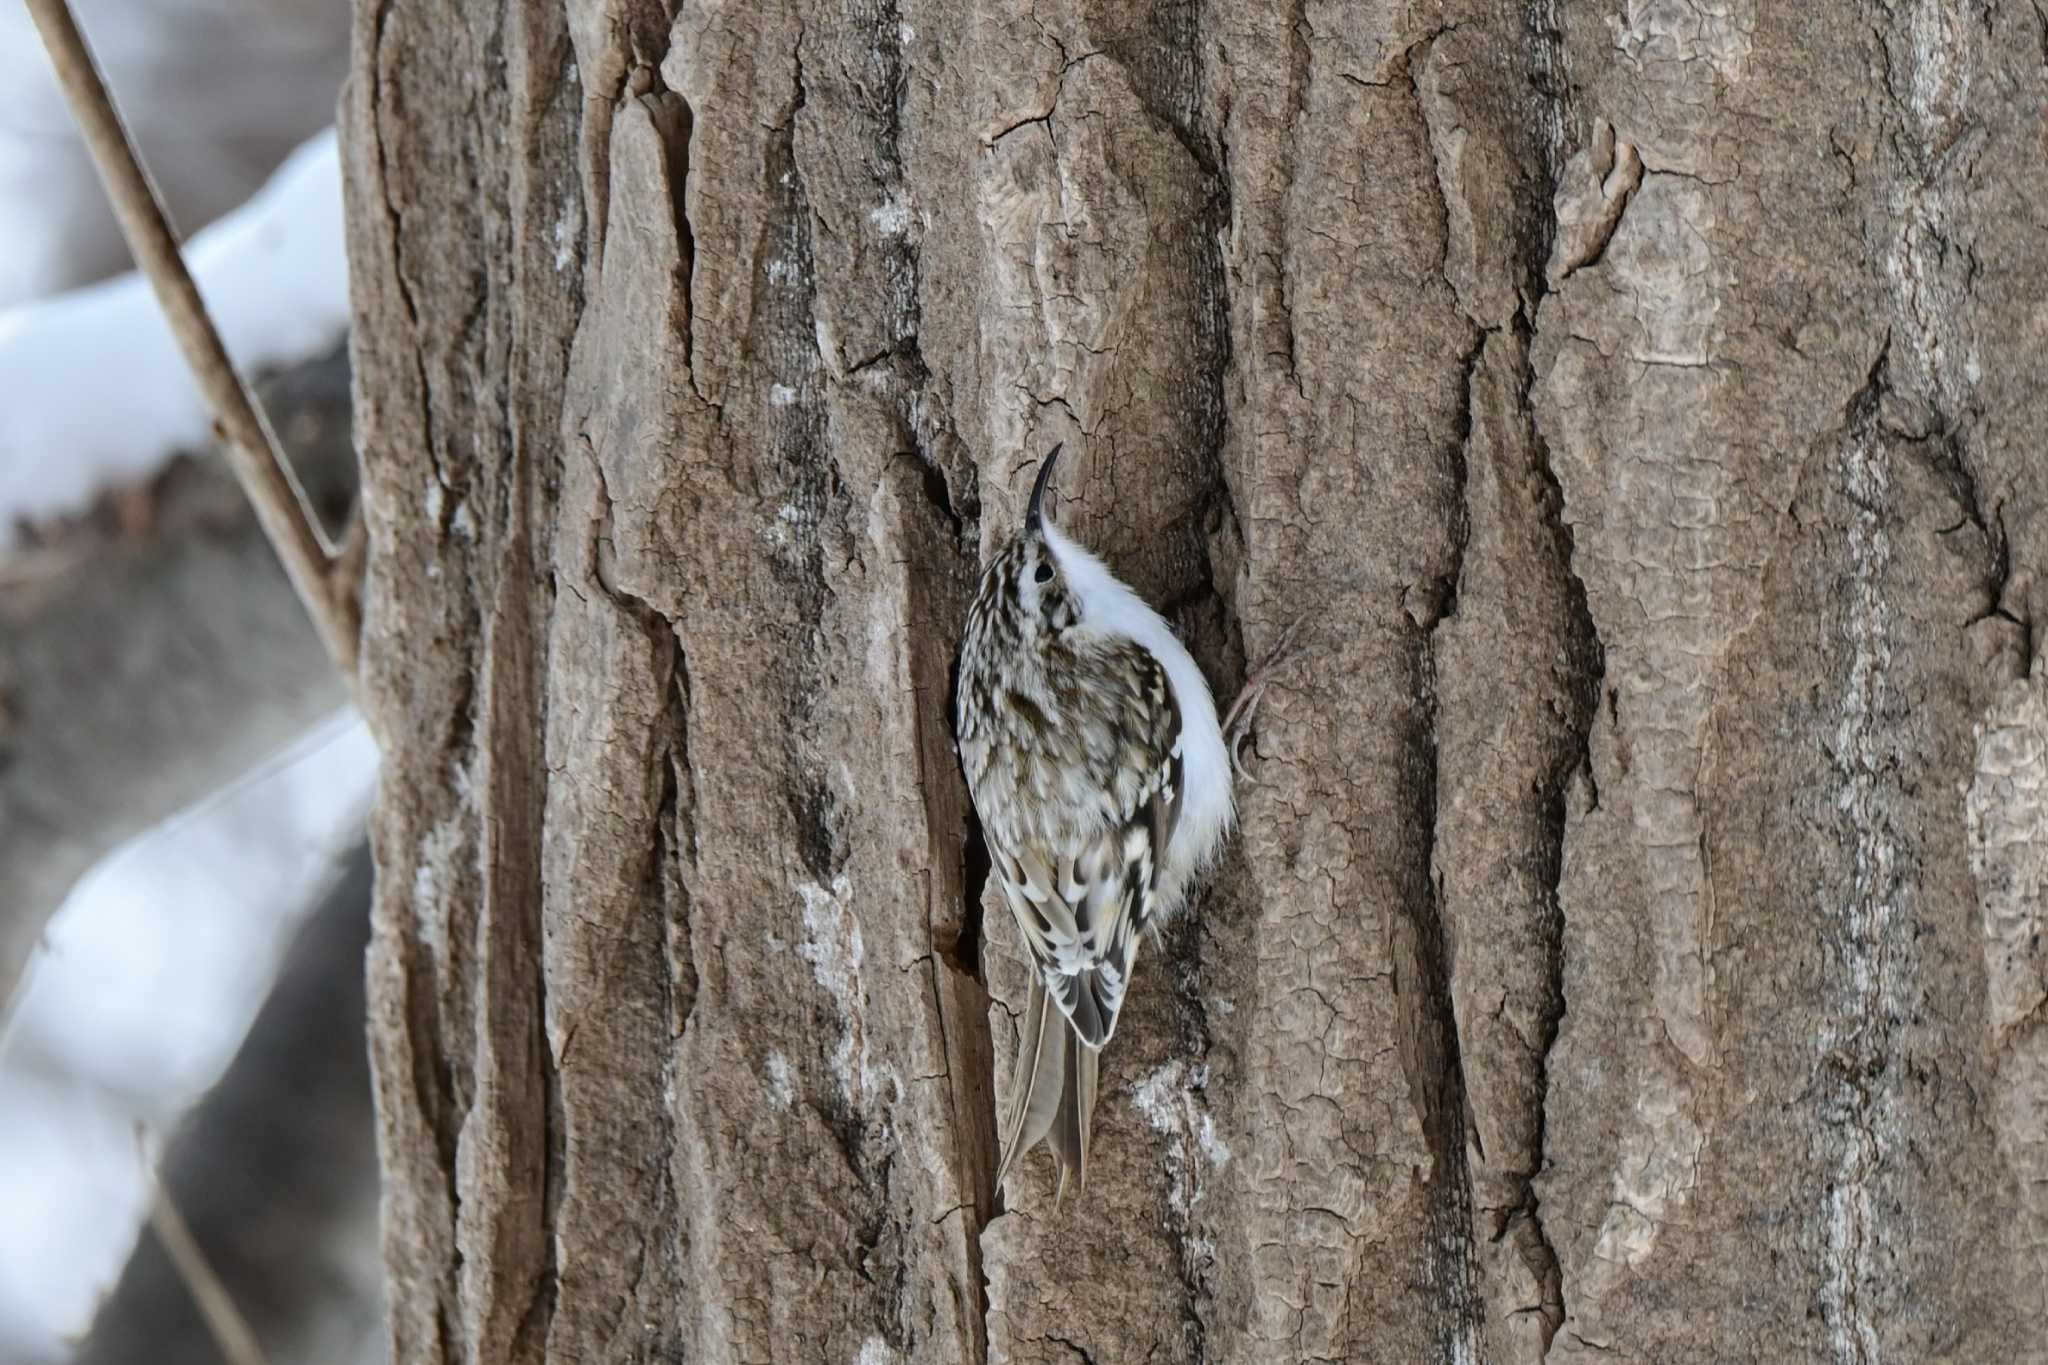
(1237, 722)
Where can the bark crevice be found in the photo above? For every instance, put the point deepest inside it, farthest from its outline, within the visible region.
(1431, 1046)
(1586, 671)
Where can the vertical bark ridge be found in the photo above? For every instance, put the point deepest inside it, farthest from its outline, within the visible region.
(1101, 211)
(937, 589)
(1761, 357)
(456, 916)
(1959, 274)
(1493, 95)
(1423, 954)
(1330, 1021)
(1567, 787)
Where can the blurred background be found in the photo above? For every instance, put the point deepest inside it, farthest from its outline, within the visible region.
(184, 884)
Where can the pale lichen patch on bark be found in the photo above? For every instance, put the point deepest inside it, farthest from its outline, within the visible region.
(2008, 814)
(2007, 808)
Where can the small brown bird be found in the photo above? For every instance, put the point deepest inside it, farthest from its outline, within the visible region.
(1103, 783)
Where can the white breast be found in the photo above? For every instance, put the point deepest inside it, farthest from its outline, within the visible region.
(1111, 609)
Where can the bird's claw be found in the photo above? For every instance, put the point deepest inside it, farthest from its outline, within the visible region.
(1237, 722)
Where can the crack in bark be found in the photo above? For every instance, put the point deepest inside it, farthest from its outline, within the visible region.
(1430, 1046)
(1927, 432)
(516, 1071)
(1586, 653)
(394, 221)
(678, 976)
(1079, 1351)
(964, 954)
(674, 121)
(1587, 668)
(963, 1012)
(1172, 91)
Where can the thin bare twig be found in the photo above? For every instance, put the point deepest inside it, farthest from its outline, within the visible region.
(231, 1331)
(252, 448)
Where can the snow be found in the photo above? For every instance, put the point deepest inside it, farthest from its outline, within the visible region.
(96, 391)
(145, 984)
(218, 92)
(154, 967)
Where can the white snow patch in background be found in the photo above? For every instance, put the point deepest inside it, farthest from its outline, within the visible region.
(147, 980)
(217, 92)
(97, 393)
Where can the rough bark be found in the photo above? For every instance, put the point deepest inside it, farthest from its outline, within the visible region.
(1632, 947)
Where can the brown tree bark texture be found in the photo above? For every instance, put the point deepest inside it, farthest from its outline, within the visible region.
(1632, 951)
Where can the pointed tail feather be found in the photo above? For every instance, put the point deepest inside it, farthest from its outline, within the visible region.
(1075, 1121)
(1039, 1077)
(1055, 1076)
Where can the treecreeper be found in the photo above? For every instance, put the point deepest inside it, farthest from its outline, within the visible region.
(1103, 783)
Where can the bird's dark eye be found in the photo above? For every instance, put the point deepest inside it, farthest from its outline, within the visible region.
(1044, 574)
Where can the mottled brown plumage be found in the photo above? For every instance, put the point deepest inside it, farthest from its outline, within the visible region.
(1102, 782)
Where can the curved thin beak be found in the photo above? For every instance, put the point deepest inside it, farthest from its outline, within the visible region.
(1034, 513)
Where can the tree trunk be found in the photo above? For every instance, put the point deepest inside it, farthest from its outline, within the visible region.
(1632, 949)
